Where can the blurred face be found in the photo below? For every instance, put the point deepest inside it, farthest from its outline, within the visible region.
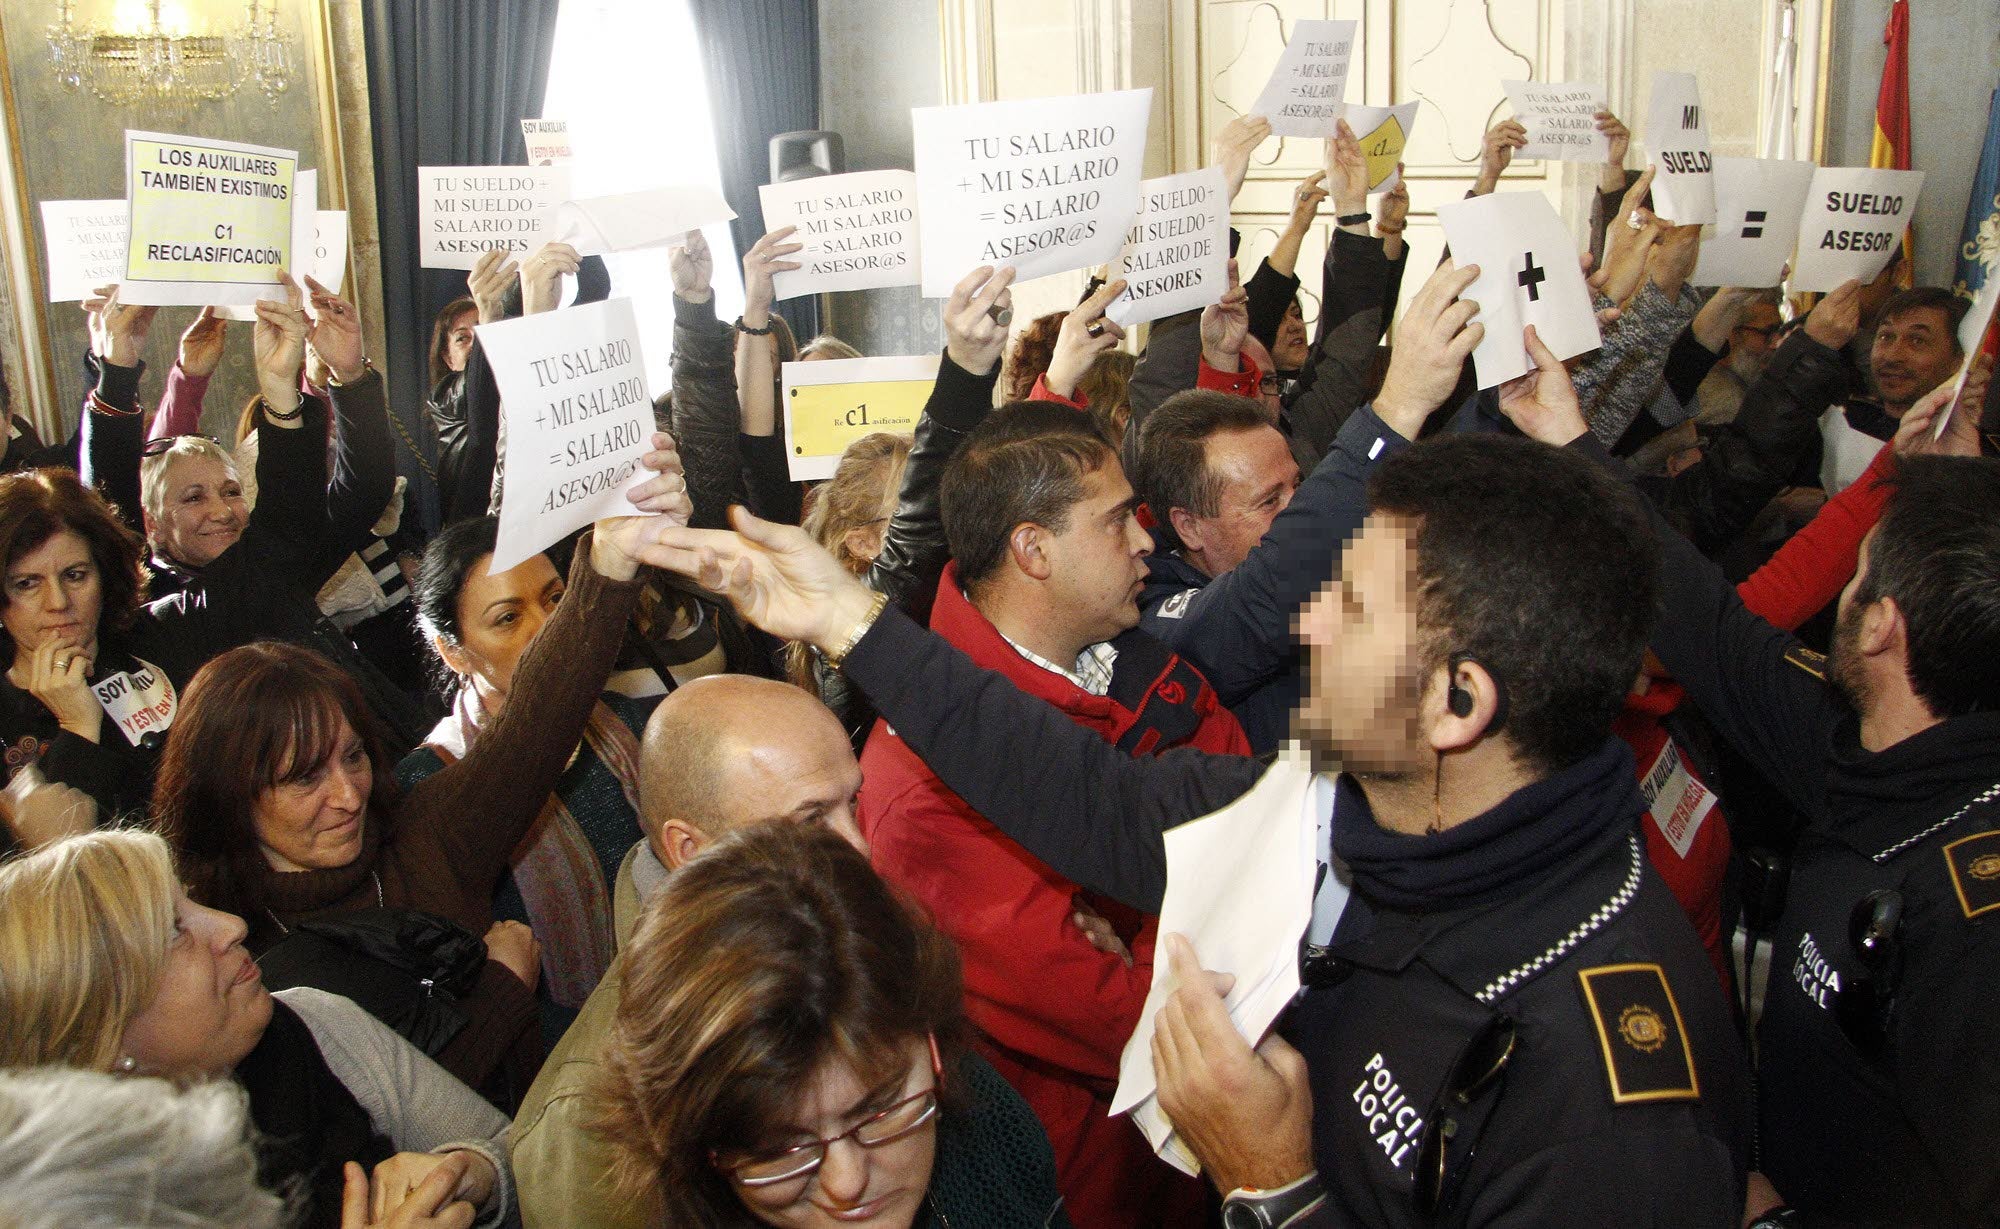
(1363, 701)
(204, 512)
(882, 1186)
(1913, 353)
(1098, 562)
(211, 1008)
(1753, 339)
(54, 594)
(802, 770)
(1292, 348)
(1258, 477)
(313, 822)
(498, 618)
(458, 340)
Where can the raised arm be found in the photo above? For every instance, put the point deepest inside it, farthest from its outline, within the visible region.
(110, 427)
(364, 460)
(705, 415)
(914, 551)
(1091, 812)
(187, 384)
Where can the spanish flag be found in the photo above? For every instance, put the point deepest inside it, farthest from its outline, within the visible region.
(1892, 115)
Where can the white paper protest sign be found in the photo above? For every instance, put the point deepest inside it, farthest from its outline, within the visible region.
(328, 261)
(1240, 889)
(1971, 338)
(1307, 90)
(1382, 132)
(1044, 186)
(831, 403)
(305, 196)
(1757, 206)
(1677, 135)
(577, 416)
(465, 211)
(632, 221)
(1176, 257)
(1528, 274)
(85, 242)
(211, 221)
(859, 231)
(1561, 120)
(140, 701)
(1853, 225)
(547, 140)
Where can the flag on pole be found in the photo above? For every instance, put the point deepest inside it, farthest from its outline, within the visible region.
(1979, 241)
(1892, 115)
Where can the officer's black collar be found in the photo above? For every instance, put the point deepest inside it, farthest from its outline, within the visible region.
(1877, 798)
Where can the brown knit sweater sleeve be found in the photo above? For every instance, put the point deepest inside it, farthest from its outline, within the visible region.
(455, 831)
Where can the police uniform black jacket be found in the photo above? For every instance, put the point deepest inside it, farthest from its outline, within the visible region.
(1879, 1086)
(1625, 1100)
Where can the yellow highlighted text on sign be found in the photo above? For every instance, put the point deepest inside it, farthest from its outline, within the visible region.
(211, 221)
(1383, 133)
(830, 404)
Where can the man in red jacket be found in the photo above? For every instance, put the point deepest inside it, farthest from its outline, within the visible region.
(1048, 563)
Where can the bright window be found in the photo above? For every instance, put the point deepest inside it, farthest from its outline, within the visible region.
(627, 76)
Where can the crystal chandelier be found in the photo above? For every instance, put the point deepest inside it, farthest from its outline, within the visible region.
(146, 62)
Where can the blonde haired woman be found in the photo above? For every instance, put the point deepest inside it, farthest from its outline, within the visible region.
(106, 964)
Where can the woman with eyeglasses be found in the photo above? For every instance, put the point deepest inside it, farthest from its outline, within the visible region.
(789, 1051)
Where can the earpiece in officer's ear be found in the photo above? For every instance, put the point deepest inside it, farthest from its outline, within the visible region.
(1458, 699)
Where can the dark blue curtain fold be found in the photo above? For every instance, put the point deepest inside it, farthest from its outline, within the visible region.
(449, 82)
(761, 58)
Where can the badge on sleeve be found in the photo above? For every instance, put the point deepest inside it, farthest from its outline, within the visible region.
(1807, 660)
(1975, 872)
(1646, 1055)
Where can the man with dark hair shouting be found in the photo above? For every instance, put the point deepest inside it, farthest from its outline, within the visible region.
(1511, 1021)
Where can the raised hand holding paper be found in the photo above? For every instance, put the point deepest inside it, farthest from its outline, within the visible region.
(831, 403)
(859, 231)
(1971, 340)
(1045, 186)
(1757, 207)
(1853, 225)
(85, 241)
(1677, 135)
(547, 141)
(1561, 120)
(463, 212)
(1382, 133)
(1528, 274)
(1307, 90)
(629, 221)
(1176, 257)
(211, 221)
(576, 420)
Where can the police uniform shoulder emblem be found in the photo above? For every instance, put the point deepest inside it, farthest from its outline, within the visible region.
(1639, 1029)
(1974, 862)
(1807, 660)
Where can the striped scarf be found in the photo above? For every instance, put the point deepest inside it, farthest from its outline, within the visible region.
(555, 868)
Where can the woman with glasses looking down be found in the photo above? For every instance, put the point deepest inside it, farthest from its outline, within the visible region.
(790, 1051)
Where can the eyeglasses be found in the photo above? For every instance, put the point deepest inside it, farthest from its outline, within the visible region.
(1478, 1068)
(1271, 385)
(165, 443)
(1766, 331)
(1863, 1004)
(761, 1170)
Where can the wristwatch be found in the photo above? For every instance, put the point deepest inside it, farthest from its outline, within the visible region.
(1249, 1208)
(1780, 1217)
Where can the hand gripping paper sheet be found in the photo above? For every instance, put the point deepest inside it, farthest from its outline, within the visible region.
(1240, 888)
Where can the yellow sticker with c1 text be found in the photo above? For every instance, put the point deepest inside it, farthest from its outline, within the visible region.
(829, 404)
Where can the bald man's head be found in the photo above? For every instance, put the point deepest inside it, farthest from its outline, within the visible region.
(730, 749)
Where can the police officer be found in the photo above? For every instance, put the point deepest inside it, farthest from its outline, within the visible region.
(1879, 1086)
(1511, 1016)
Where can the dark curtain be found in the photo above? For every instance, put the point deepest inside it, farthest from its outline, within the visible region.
(449, 82)
(762, 62)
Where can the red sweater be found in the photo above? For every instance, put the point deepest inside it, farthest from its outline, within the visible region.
(1053, 1011)
(1687, 837)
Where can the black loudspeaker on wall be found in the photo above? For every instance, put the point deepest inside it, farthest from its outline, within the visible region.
(806, 155)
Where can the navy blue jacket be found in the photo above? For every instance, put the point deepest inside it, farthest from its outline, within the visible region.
(1237, 627)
